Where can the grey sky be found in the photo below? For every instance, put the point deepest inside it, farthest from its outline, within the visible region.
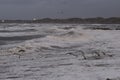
(28, 9)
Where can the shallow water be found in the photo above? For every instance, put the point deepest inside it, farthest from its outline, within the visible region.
(59, 52)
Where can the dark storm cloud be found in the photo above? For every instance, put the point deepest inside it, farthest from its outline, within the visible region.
(28, 9)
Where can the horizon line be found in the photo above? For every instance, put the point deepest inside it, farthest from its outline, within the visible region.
(61, 18)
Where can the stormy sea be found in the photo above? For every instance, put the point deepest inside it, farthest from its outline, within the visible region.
(59, 51)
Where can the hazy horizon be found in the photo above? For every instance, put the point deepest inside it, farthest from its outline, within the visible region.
(29, 9)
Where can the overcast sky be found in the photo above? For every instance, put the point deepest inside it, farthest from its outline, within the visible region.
(28, 9)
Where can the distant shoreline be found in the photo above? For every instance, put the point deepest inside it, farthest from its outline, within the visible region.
(97, 20)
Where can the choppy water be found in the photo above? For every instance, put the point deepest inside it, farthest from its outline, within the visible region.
(54, 51)
(21, 32)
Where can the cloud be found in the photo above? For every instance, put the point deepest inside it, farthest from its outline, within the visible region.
(18, 2)
(27, 9)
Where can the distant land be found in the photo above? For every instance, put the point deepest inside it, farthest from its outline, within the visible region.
(96, 20)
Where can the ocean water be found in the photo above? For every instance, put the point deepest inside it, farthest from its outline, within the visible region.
(59, 51)
(17, 33)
